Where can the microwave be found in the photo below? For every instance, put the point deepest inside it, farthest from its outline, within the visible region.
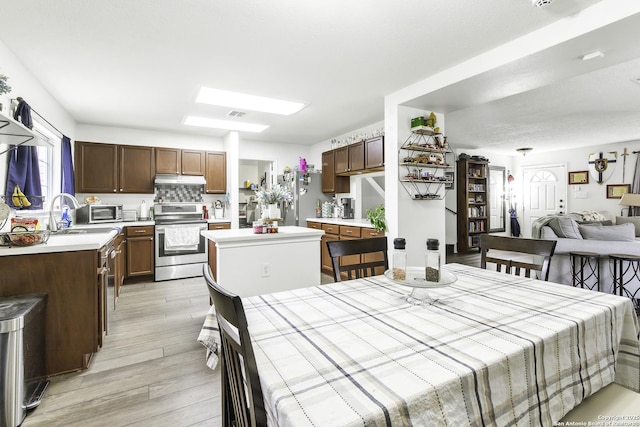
(95, 214)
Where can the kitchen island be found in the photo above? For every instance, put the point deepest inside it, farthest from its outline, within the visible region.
(71, 268)
(250, 264)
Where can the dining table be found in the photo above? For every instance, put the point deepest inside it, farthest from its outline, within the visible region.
(491, 349)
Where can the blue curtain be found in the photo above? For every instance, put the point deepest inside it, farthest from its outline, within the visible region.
(23, 170)
(68, 183)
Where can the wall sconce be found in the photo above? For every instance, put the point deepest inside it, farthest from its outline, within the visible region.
(631, 200)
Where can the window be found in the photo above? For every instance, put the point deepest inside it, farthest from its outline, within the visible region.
(45, 161)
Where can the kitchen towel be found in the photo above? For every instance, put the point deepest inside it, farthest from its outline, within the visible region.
(181, 237)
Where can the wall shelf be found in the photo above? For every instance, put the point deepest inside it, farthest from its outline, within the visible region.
(14, 133)
(423, 163)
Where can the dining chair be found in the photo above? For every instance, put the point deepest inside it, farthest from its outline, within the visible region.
(242, 401)
(517, 254)
(367, 263)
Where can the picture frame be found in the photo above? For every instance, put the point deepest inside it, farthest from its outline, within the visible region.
(578, 177)
(449, 176)
(616, 191)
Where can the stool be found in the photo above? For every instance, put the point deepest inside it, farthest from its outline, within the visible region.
(589, 261)
(619, 271)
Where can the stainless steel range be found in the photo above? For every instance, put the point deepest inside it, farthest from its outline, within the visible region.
(181, 250)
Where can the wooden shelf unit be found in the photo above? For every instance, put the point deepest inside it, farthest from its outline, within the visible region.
(473, 202)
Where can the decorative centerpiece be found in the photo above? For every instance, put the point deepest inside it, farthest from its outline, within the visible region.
(270, 198)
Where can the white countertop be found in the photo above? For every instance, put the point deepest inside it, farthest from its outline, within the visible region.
(357, 222)
(63, 243)
(246, 235)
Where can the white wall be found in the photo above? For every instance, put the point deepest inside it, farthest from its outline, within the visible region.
(24, 84)
(577, 160)
(281, 153)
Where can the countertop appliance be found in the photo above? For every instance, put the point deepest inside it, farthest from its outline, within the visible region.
(347, 208)
(180, 248)
(96, 214)
(307, 190)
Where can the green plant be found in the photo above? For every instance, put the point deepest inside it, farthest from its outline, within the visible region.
(4, 87)
(376, 217)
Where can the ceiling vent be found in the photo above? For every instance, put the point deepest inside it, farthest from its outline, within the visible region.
(540, 3)
(234, 113)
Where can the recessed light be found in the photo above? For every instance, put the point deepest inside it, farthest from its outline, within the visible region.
(244, 101)
(593, 55)
(224, 124)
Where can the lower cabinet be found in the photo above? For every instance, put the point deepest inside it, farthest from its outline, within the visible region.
(119, 265)
(212, 246)
(140, 251)
(344, 232)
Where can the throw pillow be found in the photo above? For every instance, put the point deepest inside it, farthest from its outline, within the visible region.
(635, 220)
(618, 233)
(565, 227)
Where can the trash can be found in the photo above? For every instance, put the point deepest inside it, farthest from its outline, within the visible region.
(22, 356)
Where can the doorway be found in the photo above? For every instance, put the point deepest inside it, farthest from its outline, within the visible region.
(497, 201)
(544, 192)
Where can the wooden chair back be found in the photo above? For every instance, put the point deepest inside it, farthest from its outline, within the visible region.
(364, 268)
(242, 401)
(518, 255)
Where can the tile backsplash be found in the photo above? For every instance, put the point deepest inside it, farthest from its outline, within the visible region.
(179, 192)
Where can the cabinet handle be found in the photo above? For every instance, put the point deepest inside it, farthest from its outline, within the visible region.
(373, 234)
(114, 190)
(140, 231)
(349, 231)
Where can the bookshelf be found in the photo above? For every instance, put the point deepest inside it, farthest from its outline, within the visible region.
(473, 202)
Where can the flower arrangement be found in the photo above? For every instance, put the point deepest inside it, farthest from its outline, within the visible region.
(4, 87)
(273, 195)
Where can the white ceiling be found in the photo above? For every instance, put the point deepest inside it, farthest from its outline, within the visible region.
(140, 64)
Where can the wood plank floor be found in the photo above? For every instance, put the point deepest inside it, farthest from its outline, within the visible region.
(151, 370)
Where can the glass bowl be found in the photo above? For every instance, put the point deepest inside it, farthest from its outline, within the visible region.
(28, 238)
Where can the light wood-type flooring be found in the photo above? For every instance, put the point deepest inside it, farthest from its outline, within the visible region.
(150, 371)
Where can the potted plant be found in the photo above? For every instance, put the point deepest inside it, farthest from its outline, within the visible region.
(376, 217)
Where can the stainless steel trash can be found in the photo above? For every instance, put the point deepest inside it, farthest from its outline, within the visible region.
(22, 356)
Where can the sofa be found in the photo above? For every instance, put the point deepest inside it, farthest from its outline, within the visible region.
(601, 237)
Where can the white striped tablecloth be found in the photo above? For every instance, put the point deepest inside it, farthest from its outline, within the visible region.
(495, 350)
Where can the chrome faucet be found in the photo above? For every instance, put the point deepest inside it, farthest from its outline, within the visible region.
(53, 226)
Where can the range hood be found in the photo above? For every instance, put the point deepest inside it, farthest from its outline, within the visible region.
(180, 179)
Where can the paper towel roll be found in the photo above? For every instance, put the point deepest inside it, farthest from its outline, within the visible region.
(144, 210)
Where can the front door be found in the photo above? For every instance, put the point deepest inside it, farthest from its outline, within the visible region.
(544, 193)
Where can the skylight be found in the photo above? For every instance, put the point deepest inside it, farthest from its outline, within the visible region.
(238, 100)
(224, 124)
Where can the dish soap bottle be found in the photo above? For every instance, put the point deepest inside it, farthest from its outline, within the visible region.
(432, 261)
(399, 259)
(66, 217)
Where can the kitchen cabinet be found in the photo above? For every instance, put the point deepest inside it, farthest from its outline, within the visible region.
(72, 283)
(179, 162)
(349, 160)
(140, 251)
(212, 246)
(168, 161)
(137, 169)
(216, 172)
(345, 232)
(374, 154)
(110, 168)
(473, 203)
(119, 262)
(96, 167)
(330, 182)
(194, 163)
(424, 165)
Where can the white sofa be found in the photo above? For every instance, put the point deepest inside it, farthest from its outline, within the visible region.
(560, 269)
